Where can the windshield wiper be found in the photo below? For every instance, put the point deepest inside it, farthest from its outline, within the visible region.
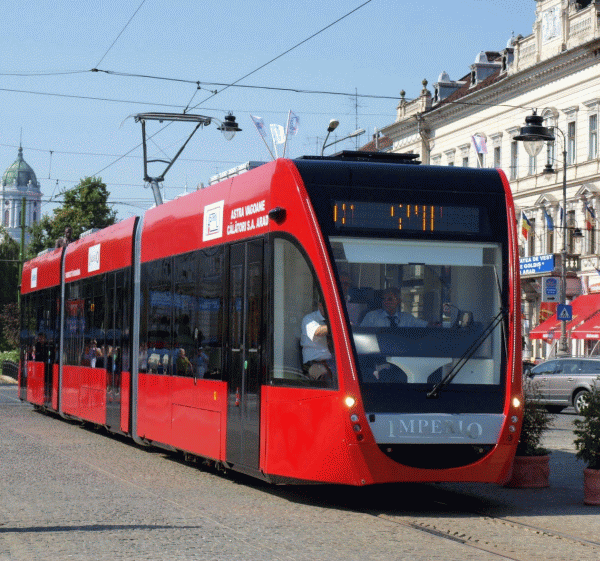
(435, 391)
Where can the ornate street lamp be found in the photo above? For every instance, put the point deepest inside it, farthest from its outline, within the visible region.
(533, 135)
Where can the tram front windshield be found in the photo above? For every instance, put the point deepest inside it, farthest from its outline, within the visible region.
(423, 314)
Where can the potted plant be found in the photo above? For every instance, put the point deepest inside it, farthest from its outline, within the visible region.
(587, 442)
(531, 467)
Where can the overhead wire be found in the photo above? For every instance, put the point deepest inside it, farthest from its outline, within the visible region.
(120, 33)
(243, 77)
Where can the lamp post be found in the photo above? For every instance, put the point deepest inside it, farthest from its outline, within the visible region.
(332, 126)
(533, 135)
(228, 127)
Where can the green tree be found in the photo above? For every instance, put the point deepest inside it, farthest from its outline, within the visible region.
(9, 268)
(9, 279)
(84, 207)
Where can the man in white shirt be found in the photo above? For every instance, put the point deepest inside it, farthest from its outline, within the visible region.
(315, 351)
(390, 315)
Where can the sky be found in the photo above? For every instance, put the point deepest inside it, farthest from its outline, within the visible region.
(350, 60)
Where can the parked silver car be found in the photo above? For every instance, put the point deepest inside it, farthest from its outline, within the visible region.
(562, 382)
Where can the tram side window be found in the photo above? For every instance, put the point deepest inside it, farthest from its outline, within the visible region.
(42, 326)
(74, 323)
(182, 308)
(209, 354)
(185, 272)
(298, 360)
(157, 310)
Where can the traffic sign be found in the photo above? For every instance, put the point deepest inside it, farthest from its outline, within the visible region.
(564, 312)
(550, 289)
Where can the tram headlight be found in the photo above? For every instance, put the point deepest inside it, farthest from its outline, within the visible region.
(357, 428)
(514, 419)
(516, 402)
(349, 401)
(354, 418)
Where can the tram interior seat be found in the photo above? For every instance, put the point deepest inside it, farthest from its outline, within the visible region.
(375, 368)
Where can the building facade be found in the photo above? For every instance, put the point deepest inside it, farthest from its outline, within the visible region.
(472, 122)
(19, 186)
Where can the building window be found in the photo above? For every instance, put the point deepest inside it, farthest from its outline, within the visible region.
(531, 238)
(465, 162)
(514, 159)
(497, 157)
(570, 229)
(571, 155)
(593, 138)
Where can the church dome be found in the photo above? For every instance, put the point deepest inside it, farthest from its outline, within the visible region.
(19, 174)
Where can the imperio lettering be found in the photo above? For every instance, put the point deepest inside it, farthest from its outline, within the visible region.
(424, 427)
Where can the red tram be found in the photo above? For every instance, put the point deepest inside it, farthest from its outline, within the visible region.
(183, 328)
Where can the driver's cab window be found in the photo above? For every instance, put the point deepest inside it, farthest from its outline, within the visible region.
(302, 350)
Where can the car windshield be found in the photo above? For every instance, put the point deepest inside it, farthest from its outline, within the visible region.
(417, 308)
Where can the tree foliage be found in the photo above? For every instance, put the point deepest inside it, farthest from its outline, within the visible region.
(9, 268)
(587, 431)
(9, 319)
(84, 207)
(9, 279)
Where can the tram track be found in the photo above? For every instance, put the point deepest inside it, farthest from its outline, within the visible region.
(502, 536)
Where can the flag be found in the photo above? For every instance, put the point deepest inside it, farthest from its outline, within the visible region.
(293, 123)
(260, 126)
(480, 145)
(525, 225)
(592, 216)
(278, 134)
(549, 221)
(561, 212)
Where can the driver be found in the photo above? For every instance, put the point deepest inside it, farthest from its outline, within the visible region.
(390, 315)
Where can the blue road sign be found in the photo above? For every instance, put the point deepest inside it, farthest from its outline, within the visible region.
(564, 312)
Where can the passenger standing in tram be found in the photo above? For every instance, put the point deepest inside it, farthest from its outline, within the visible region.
(183, 365)
(316, 355)
(390, 314)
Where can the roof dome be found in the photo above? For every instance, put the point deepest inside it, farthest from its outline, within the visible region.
(481, 57)
(444, 77)
(19, 173)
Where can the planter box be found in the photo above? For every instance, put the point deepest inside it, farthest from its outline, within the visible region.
(591, 486)
(530, 472)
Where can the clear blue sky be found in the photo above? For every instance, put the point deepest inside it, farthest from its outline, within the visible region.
(75, 122)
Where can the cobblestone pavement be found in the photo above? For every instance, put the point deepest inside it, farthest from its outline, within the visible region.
(68, 492)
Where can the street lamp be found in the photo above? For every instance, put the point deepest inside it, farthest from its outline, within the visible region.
(533, 135)
(357, 132)
(228, 127)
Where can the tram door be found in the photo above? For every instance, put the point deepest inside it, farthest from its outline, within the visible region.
(245, 353)
(113, 348)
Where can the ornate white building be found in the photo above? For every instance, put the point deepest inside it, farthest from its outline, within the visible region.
(19, 184)
(472, 122)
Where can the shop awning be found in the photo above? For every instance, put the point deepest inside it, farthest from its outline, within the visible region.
(589, 329)
(584, 307)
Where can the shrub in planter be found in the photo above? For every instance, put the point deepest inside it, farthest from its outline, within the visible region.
(587, 443)
(531, 467)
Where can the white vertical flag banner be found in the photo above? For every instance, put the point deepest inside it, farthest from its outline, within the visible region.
(260, 127)
(292, 128)
(278, 135)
